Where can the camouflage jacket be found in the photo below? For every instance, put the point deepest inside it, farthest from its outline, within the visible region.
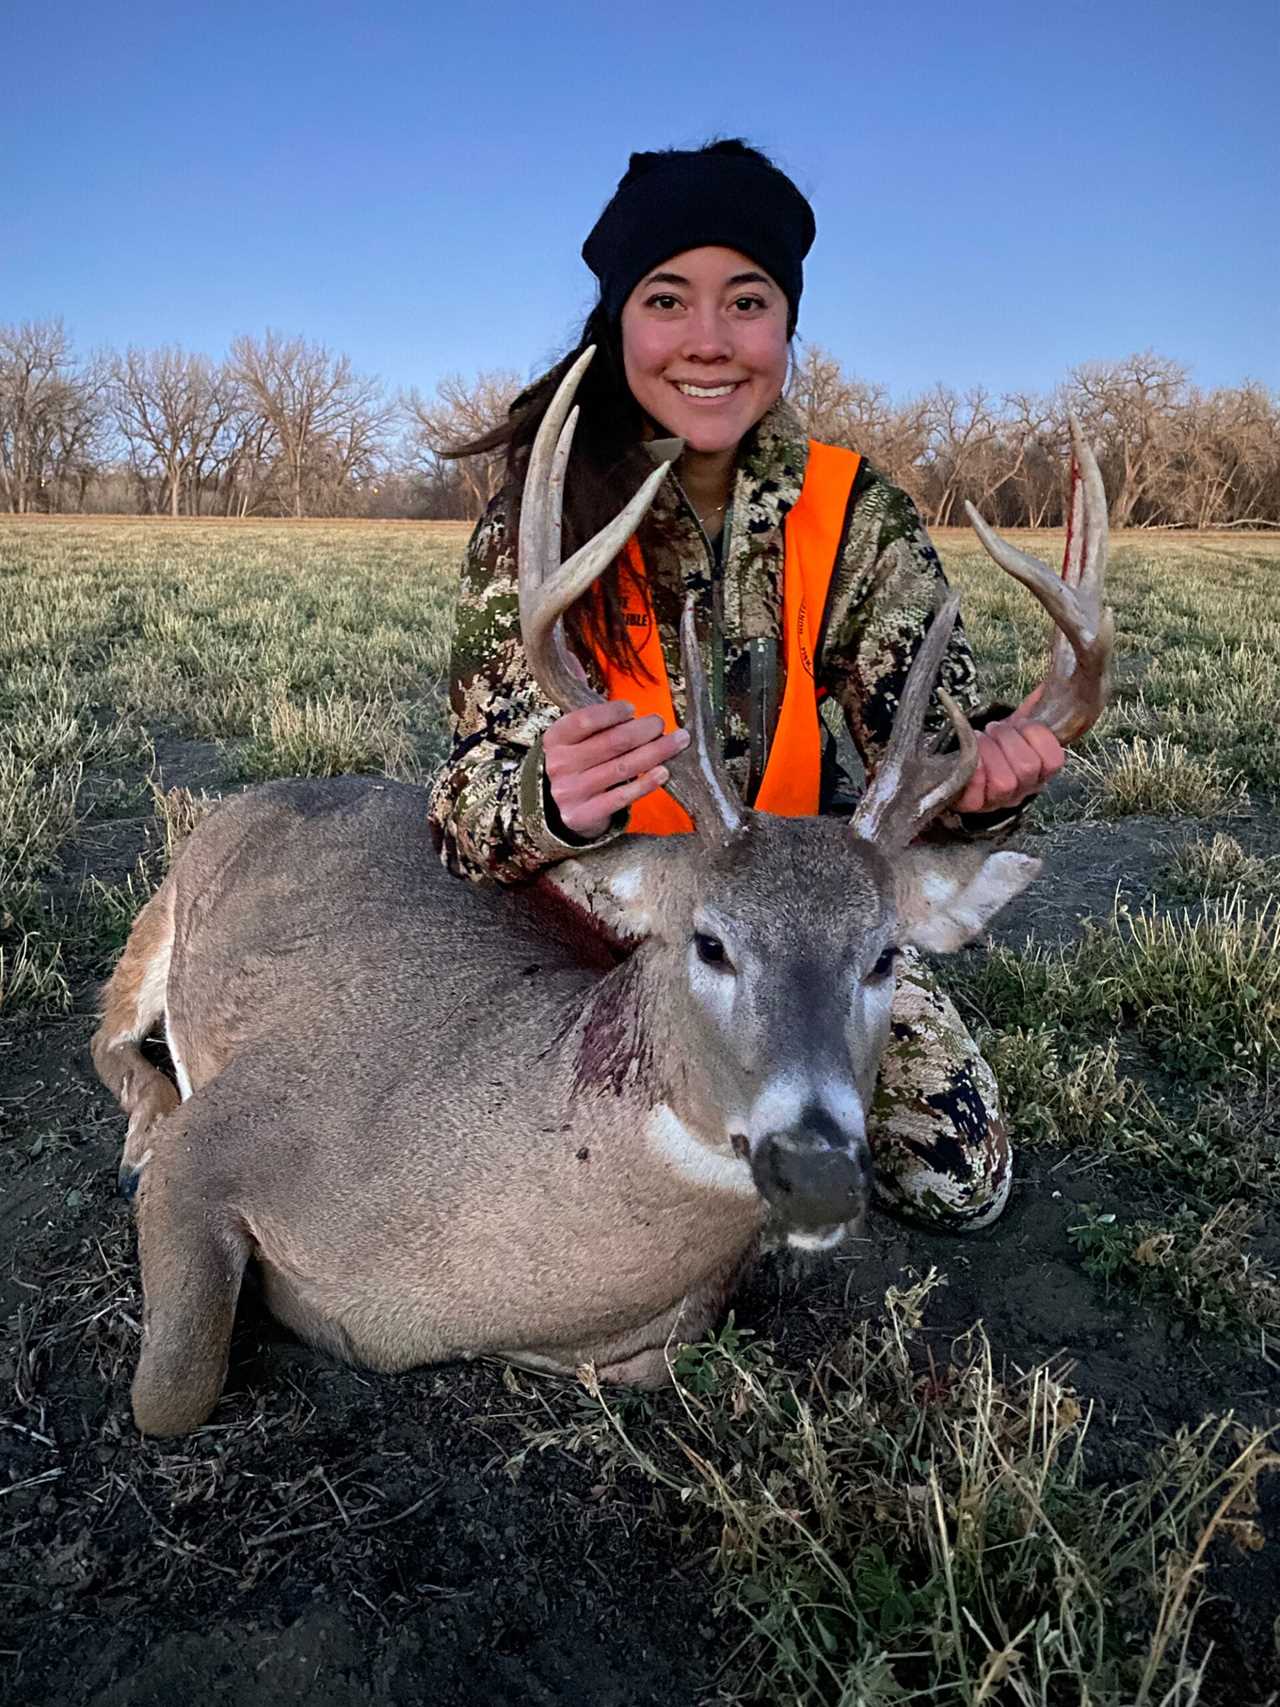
(489, 803)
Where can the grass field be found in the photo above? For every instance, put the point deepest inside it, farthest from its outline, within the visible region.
(1027, 1467)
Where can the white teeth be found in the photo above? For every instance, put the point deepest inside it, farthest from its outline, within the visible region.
(707, 390)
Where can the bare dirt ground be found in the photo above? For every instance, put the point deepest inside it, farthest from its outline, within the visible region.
(336, 1537)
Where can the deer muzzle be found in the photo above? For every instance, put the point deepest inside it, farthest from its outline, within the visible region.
(814, 1179)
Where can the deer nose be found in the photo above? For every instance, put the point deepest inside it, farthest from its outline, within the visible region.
(810, 1181)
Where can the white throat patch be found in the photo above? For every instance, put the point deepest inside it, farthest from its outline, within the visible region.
(681, 1149)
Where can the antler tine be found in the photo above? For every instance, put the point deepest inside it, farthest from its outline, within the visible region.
(697, 777)
(548, 587)
(1078, 684)
(910, 788)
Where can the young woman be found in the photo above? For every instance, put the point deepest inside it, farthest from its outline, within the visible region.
(699, 257)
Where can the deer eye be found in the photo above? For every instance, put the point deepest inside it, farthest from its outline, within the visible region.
(710, 950)
(883, 967)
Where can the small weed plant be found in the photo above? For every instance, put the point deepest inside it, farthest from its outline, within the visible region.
(1204, 1268)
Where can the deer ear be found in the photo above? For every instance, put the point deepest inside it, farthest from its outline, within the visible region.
(946, 895)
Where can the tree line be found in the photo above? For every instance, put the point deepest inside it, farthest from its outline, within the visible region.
(284, 427)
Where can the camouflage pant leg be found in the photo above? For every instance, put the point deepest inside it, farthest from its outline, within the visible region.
(940, 1148)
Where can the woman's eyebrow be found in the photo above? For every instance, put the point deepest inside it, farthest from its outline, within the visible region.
(737, 279)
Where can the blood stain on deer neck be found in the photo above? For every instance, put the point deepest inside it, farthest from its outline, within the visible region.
(613, 1053)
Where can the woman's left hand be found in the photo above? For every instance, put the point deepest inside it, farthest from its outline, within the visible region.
(1016, 757)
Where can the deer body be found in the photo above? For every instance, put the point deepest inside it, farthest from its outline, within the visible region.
(402, 1212)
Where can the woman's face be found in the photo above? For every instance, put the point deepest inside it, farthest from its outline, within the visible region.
(704, 342)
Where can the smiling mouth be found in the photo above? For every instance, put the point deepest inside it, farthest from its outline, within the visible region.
(709, 391)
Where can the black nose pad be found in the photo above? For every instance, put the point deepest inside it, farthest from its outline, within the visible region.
(812, 1185)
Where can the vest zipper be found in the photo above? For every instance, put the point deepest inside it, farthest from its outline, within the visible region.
(716, 672)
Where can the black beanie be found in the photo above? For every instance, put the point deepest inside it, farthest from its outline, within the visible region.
(676, 199)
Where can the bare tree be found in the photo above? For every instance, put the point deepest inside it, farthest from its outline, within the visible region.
(328, 423)
(1035, 428)
(283, 426)
(839, 408)
(972, 455)
(1127, 409)
(50, 415)
(460, 412)
(170, 407)
(1228, 459)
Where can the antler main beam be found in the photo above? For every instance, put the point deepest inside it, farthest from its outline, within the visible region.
(911, 787)
(1078, 684)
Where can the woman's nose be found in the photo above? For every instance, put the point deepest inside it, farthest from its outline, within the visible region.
(707, 338)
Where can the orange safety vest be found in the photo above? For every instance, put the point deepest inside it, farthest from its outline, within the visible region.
(792, 778)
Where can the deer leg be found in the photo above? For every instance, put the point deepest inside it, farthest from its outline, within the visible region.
(193, 1260)
(133, 1005)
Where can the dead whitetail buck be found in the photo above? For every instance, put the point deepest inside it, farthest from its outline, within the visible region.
(449, 1120)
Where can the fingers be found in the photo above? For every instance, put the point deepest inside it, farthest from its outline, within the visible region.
(583, 820)
(586, 721)
(1030, 751)
(565, 757)
(1014, 760)
(974, 798)
(601, 759)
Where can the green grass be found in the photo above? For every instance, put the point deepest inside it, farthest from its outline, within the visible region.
(314, 650)
(1202, 1267)
(1198, 634)
(1201, 991)
(1152, 777)
(332, 735)
(213, 631)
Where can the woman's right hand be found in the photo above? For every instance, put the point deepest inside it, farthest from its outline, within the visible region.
(602, 758)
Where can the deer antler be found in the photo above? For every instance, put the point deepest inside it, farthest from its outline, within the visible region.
(548, 587)
(910, 788)
(1078, 684)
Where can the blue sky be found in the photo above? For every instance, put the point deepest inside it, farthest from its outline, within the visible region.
(1002, 190)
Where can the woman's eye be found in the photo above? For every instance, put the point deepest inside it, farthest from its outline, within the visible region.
(710, 949)
(884, 966)
(663, 300)
(747, 303)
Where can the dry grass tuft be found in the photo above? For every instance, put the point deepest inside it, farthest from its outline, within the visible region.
(892, 1529)
(329, 736)
(32, 978)
(1158, 776)
(1203, 871)
(177, 812)
(37, 814)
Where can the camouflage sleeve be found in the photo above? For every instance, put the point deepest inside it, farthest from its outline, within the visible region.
(488, 805)
(886, 586)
